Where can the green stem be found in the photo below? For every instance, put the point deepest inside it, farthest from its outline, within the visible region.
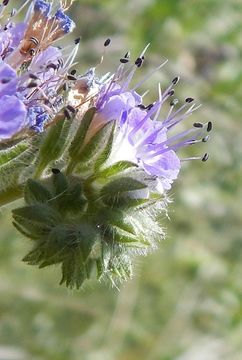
(12, 194)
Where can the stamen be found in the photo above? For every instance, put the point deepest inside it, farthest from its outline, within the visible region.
(139, 62)
(210, 126)
(189, 100)
(71, 77)
(205, 157)
(198, 125)
(175, 80)
(124, 60)
(107, 42)
(206, 138)
(77, 41)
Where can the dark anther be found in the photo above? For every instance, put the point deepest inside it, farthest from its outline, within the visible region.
(71, 109)
(32, 85)
(150, 106)
(76, 41)
(206, 138)
(210, 126)
(13, 12)
(73, 72)
(60, 63)
(71, 77)
(198, 125)
(205, 157)
(107, 42)
(127, 55)
(51, 66)
(142, 106)
(171, 92)
(33, 76)
(138, 62)
(174, 102)
(55, 171)
(189, 100)
(142, 57)
(67, 114)
(65, 87)
(175, 80)
(5, 2)
(124, 60)
(5, 80)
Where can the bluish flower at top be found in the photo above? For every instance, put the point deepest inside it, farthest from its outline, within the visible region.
(142, 138)
(42, 6)
(65, 22)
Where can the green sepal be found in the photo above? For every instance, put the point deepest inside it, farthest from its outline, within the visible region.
(10, 153)
(116, 218)
(60, 183)
(42, 216)
(96, 145)
(119, 189)
(35, 192)
(15, 162)
(76, 143)
(115, 169)
(53, 143)
(105, 153)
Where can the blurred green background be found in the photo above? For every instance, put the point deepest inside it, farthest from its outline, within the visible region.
(185, 300)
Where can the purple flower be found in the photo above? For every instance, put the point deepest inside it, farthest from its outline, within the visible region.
(34, 91)
(143, 138)
(12, 116)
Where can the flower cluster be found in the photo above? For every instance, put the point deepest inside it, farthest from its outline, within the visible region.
(32, 71)
(91, 159)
